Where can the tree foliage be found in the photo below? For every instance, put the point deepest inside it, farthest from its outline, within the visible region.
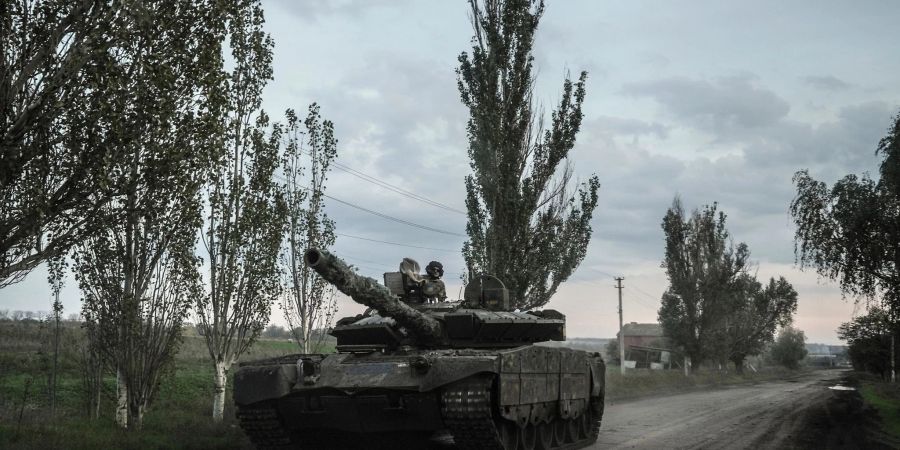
(246, 209)
(308, 301)
(53, 176)
(850, 232)
(714, 308)
(869, 340)
(752, 318)
(703, 267)
(138, 272)
(523, 225)
(789, 348)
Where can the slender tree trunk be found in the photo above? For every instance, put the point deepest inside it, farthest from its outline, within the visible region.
(221, 380)
(55, 377)
(738, 365)
(121, 399)
(136, 416)
(95, 406)
(893, 372)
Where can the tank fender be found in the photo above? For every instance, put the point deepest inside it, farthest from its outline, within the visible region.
(257, 383)
(444, 371)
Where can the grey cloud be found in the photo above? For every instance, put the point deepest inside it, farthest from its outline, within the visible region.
(844, 145)
(752, 182)
(312, 10)
(627, 126)
(722, 104)
(399, 120)
(826, 83)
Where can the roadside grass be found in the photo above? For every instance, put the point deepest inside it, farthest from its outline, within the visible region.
(643, 382)
(885, 398)
(179, 418)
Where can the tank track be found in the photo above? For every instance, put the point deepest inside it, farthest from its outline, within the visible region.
(264, 428)
(466, 410)
(467, 413)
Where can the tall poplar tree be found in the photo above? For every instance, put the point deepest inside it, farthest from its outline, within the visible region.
(308, 300)
(246, 209)
(137, 272)
(523, 225)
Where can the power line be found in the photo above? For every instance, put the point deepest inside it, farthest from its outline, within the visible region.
(393, 188)
(384, 216)
(396, 243)
(395, 219)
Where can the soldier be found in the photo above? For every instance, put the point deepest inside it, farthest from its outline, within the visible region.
(433, 286)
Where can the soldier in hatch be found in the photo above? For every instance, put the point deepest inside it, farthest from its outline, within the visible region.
(432, 285)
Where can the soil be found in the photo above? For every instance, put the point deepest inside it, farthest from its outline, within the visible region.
(796, 414)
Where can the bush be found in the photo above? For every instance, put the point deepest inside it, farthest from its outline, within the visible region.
(789, 348)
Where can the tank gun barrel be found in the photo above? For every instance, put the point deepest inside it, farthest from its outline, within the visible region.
(369, 292)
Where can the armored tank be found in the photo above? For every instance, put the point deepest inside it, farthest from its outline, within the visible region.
(415, 365)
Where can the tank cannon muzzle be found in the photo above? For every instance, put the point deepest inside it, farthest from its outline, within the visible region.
(312, 257)
(371, 293)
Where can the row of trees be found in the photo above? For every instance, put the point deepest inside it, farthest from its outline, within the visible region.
(714, 308)
(121, 126)
(6, 314)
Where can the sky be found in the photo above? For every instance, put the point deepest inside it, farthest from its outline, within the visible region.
(711, 101)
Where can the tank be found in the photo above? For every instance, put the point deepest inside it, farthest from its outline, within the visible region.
(416, 367)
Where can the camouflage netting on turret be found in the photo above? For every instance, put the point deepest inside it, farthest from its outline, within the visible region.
(369, 292)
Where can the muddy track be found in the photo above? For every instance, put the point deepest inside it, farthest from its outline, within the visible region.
(800, 414)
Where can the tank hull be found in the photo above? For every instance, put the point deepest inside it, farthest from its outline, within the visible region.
(486, 398)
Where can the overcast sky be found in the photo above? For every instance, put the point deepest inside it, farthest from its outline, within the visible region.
(713, 101)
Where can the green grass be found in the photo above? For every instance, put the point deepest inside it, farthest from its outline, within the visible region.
(885, 398)
(639, 383)
(180, 416)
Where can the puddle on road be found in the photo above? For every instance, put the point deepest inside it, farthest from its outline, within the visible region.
(841, 388)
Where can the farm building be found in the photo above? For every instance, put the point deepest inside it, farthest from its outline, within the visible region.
(646, 347)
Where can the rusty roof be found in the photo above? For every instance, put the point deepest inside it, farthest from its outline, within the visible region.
(642, 329)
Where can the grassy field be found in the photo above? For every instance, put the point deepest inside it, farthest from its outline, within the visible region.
(885, 398)
(180, 414)
(639, 383)
(178, 418)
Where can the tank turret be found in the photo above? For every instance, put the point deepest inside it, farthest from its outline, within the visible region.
(369, 292)
(409, 313)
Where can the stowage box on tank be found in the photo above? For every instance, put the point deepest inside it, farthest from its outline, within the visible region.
(415, 365)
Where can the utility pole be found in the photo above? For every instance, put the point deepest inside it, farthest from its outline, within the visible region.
(621, 332)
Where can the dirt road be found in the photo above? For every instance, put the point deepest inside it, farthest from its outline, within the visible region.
(801, 413)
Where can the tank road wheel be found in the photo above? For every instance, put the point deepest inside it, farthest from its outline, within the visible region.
(528, 437)
(545, 436)
(559, 431)
(509, 434)
(585, 424)
(572, 430)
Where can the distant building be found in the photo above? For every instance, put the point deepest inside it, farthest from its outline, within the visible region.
(826, 355)
(646, 347)
(643, 335)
